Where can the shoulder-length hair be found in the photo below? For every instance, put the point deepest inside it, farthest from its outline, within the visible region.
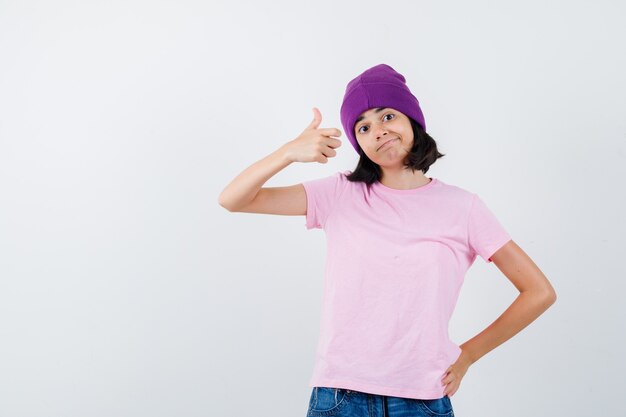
(423, 154)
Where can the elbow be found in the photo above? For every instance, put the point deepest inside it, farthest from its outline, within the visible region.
(553, 297)
(548, 294)
(222, 202)
(543, 296)
(550, 297)
(551, 294)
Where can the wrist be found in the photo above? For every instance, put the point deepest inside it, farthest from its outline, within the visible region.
(285, 154)
(465, 357)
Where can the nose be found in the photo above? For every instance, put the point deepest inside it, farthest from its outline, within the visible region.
(379, 131)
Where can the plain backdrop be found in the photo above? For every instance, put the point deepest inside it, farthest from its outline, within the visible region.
(127, 290)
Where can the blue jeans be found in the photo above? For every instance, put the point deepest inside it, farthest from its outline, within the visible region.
(340, 402)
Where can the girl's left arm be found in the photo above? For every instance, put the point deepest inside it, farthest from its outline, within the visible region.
(536, 296)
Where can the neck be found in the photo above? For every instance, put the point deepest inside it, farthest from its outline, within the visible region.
(404, 179)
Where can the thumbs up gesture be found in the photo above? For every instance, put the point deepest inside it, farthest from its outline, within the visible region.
(314, 144)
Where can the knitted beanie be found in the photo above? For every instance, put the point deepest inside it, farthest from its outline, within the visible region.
(378, 86)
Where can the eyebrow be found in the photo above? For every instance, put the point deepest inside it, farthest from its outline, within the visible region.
(378, 110)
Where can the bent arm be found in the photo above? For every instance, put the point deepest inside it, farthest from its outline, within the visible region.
(243, 189)
(536, 296)
(524, 310)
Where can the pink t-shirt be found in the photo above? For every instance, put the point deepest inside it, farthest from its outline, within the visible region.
(395, 264)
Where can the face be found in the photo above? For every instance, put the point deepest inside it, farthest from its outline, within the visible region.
(376, 127)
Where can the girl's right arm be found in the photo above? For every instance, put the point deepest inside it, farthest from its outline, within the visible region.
(245, 192)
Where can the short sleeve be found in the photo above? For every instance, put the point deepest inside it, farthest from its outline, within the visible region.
(321, 196)
(485, 233)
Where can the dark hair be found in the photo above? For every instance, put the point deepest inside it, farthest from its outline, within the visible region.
(423, 154)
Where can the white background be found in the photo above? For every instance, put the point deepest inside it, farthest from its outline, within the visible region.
(126, 290)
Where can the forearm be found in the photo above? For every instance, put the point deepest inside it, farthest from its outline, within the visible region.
(524, 310)
(244, 188)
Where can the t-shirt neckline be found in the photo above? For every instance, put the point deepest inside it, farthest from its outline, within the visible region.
(380, 186)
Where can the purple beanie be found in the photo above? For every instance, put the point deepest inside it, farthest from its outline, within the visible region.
(379, 86)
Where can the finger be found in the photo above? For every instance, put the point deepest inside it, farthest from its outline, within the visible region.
(329, 152)
(450, 389)
(454, 387)
(317, 119)
(330, 131)
(448, 379)
(445, 374)
(445, 378)
(333, 143)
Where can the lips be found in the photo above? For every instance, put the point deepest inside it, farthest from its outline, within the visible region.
(390, 140)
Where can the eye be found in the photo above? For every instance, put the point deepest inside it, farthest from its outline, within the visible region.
(388, 114)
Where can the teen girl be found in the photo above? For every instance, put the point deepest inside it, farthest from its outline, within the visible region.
(399, 245)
